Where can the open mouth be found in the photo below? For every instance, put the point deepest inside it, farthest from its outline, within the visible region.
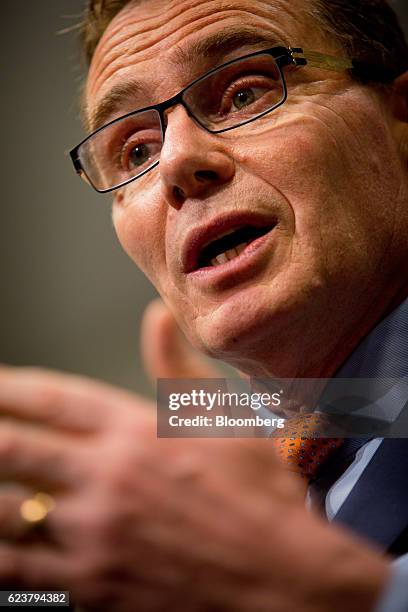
(229, 246)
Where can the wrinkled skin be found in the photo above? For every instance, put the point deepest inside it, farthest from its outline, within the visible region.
(199, 525)
(157, 525)
(326, 164)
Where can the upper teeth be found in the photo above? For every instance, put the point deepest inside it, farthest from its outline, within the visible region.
(220, 236)
(228, 255)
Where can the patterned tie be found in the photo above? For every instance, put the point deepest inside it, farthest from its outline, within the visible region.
(305, 451)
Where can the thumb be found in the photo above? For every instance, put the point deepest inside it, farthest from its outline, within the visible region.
(166, 353)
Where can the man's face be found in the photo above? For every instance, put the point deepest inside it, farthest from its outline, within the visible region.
(321, 176)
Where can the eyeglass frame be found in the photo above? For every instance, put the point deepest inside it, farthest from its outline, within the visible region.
(283, 56)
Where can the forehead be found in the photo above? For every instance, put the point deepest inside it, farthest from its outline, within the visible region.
(146, 36)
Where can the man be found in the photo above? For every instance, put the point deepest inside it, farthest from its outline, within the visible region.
(315, 186)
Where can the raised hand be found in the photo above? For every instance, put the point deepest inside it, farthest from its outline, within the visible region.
(147, 524)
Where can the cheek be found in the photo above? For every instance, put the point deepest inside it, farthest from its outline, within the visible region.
(329, 166)
(299, 159)
(140, 224)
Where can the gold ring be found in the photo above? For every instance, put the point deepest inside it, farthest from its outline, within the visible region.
(35, 509)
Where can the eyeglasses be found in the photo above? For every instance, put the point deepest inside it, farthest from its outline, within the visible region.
(229, 96)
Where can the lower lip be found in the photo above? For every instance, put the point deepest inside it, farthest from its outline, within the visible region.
(238, 269)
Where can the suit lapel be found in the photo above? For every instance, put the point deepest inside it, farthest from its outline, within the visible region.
(377, 507)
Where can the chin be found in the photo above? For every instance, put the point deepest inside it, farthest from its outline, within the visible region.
(243, 326)
(266, 328)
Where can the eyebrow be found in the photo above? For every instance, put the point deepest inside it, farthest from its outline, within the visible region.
(213, 47)
(112, 101)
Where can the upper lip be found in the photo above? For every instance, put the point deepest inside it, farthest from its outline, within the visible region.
(198, 237)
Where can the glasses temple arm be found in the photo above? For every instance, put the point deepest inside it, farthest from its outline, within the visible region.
(303, 57)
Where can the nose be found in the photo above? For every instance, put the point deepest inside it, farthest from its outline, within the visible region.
(193, 163)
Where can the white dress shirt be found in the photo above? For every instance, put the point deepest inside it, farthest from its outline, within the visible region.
(384, 353)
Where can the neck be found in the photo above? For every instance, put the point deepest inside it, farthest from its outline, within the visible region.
(318, 357)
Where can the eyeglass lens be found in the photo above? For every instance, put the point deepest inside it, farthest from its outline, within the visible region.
(228, 97)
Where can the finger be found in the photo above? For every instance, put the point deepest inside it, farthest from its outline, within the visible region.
(40, 457)
(59, 400)
(12, 524)
(36, 567)
(165, 350)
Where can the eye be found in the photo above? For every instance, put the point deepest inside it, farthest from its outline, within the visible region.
(242, 98)
(138, 154)
(256, 92)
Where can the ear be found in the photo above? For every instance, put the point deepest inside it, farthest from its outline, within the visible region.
(400, 97)
(400, 112)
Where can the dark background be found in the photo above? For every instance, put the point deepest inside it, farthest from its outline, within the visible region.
(70, 299)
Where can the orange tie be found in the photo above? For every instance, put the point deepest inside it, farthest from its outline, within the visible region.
(304, 451)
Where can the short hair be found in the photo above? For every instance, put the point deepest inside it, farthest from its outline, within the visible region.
(367, 30)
